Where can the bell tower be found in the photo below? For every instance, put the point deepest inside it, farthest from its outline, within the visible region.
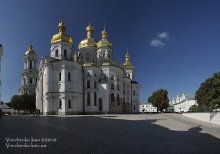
(30, 73)
(104, 51)
(87, 47)
(128, 66)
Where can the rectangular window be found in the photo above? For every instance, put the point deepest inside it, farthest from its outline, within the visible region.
(56, 53)
(118, 87)
(69, 103)
(95, 98)
(88, 83)
(69, 76)
(31, 80)
(112, 97)
(60, 104)
(65, 54)
(60, 76)
(118, 100)
(88, 98)
(112, 86)
(95, 84)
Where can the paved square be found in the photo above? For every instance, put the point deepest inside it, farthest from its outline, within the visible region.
(141, 133)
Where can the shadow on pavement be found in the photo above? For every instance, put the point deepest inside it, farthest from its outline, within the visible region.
(102, 135)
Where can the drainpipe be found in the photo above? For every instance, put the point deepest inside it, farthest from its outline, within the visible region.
(131, 98)
(83, 89)
(42, 95)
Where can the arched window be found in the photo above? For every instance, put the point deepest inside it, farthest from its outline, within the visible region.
(95, 98)
(30, 64)
(31, 80)
(69, 76)
(88, 83)
(65, 53)
(56, 53)
(118, 99)
(69, 103)
(60, 103)
(134, 107)
(36, 80)
(95, 84)
(112, 97)
(88, 98)
(112, 86)
(60, 76)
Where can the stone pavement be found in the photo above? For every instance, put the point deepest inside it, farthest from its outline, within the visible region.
(137, 133)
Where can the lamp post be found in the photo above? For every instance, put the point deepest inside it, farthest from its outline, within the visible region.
(1, 53)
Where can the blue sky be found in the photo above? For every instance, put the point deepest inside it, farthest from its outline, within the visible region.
(174, 44)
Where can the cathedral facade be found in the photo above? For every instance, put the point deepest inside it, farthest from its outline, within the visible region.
(87, 80)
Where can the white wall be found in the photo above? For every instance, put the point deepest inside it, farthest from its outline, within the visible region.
(184, 105)
(147, 108)
(208, 117)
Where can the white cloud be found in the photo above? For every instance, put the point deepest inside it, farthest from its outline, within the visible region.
(160, 40)
(157, 43)
(163, 36)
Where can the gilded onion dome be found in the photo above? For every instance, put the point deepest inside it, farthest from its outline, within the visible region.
(61, 36)
(30, 52)
(104, 41)
(128, 64)
(89, 41)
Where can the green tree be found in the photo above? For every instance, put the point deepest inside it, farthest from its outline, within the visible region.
(24, 102)
(195, 108)
(15, 102)
(159, 99)
(208, 93)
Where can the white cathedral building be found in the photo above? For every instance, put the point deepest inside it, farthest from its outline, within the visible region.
(181, 103)
(88, 81)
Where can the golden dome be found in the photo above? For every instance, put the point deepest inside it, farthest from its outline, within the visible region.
(30, 52)
(60, 36)
(104, 41)
(128, 63)
(89, 41)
